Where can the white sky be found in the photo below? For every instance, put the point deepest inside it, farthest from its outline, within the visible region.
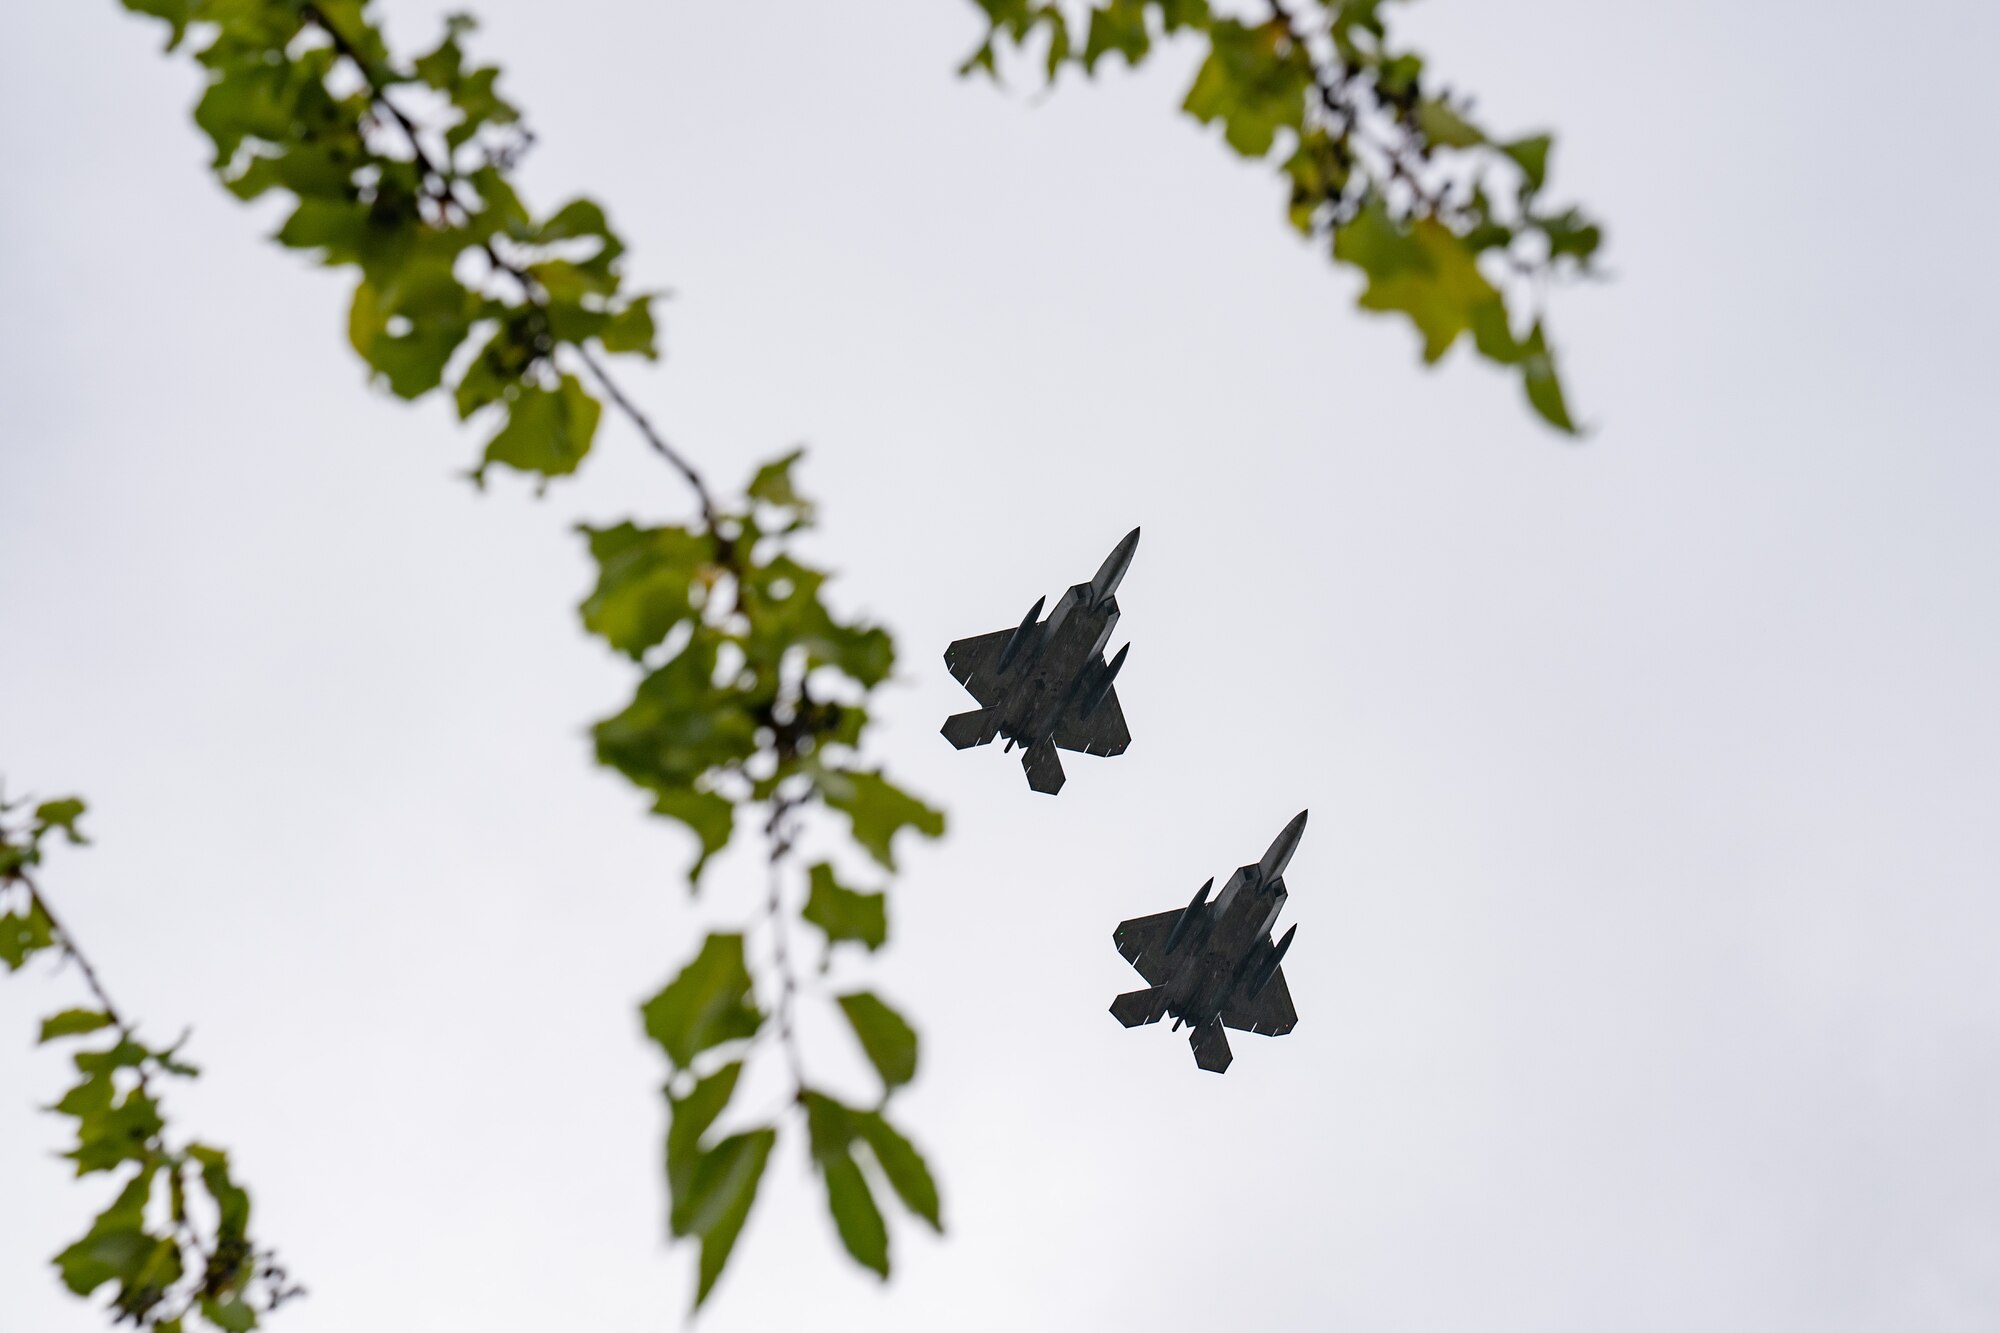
(1647, 903)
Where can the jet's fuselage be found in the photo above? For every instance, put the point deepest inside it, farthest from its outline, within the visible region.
(1050, 672)
(1222, 950)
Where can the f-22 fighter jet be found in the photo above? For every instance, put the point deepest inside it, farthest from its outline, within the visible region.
(1212, 964)
(1045, 684)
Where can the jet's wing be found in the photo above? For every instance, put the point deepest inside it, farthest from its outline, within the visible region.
(1143, 943)
(1103, 732)
(1270, 1014)
(975, 661)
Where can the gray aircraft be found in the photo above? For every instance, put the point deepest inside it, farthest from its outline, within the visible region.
(1045, 684)
(1212, 964)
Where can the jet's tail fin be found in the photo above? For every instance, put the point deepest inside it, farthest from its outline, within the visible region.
(965, 730)
(1211, 1047)
(1044, 769)
(1136, 1007)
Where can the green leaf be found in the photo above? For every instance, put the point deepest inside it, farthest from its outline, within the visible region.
(773, 486)
(1538, 376)
(230, 1315)
(112, 1255)
(232, 1201)
(725, 1186)
(1423, 271)
(337, 226)
(477, 98)
(1532, 156)
(709, 1003)
(680, 725)
(1117, 26)
(498, 371)
(124, 1133)
(879, 810)
(1319, 169)
(648, 581)
(440, 67)
(577, 218)
(124, 1055)
(71, 1022)
(855, 1215)
(118, 1249)
(688, 1118)
(890, 1041)
(630, 328)
(1254, 81)
(781, 599)
(1570, 234)
(1441, 123)
(177, 14)
(547, 432)
(902, 1164)
(831, 1129)
(62, 815)
(710, 817)
(711, 1189)
(407, 320)
(23, 934)
(90, 1096)
(844, 913)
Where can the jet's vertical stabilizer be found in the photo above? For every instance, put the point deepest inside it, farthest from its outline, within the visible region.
(1044, 769)
(1211, 1047)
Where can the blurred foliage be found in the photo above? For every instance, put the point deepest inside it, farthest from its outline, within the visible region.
(1383, 163)
(174, 1245)
(459, 285)
(753, 693)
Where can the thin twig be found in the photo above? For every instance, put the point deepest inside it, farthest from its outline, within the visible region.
(67, 943)
(652, 437)
(443, 197)
(780, 836)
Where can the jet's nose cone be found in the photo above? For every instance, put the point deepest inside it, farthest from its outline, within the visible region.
(1280, 854)
(1113, 569)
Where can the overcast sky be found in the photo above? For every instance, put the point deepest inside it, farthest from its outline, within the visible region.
(1647, 906)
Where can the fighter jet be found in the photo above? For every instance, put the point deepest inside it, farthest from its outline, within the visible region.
(1212, 964)
(1045, 684)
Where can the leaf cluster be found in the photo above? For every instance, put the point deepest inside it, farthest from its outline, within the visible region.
(174, 1245)
(1382, 162)
(460, 285)
(705, 1020)
(753, 689)
(25, 926)
(752, 692)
